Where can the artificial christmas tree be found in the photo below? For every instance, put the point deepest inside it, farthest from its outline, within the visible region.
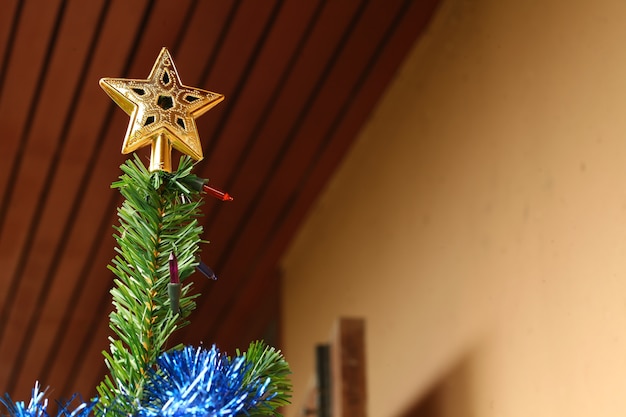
(158, 249)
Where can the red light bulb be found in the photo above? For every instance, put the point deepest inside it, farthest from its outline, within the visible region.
(220, 195)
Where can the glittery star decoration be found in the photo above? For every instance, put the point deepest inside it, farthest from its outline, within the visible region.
(162, 112)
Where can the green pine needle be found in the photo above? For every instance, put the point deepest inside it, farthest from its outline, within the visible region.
(158, 216)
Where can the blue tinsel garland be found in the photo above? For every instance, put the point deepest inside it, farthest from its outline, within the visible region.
(199, 382)
(191, 382)
(38, 405)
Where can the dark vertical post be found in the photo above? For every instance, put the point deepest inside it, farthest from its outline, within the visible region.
(324, 383)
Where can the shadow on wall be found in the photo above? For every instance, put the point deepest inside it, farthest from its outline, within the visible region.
(451, 395)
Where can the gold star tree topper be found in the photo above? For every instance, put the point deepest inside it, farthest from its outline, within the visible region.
(162, 112)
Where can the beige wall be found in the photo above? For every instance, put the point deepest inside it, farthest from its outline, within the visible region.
(480, 220)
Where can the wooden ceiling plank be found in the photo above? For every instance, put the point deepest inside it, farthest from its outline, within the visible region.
(129, 14)
(309, 130)
(15, 104)
(66, 276)
(168, 22)
(9, 21)
(89, 374)
(199, 43)
(51, 304)
(275, 62)
(16, 241)
(236, 56)
(270, 63)
(333, 100)
(201, 40)
(85, 372)
(269, 139)
(42, 146)
(336, 93)
(30, 184)
(299, 82)
(79, 279)
(84, 306)
(31, 45)
(290, 169)
(405, 33)
(256, 305)
(89, 303)
(308, 76)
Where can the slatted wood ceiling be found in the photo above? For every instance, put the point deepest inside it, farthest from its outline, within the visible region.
(300, 78)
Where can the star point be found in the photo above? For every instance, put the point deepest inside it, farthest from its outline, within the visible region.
(162, 112)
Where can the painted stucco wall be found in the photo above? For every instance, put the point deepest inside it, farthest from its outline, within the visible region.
(480, 219)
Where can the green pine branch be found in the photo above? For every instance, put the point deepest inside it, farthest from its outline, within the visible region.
(158, 216)
(268, 363)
